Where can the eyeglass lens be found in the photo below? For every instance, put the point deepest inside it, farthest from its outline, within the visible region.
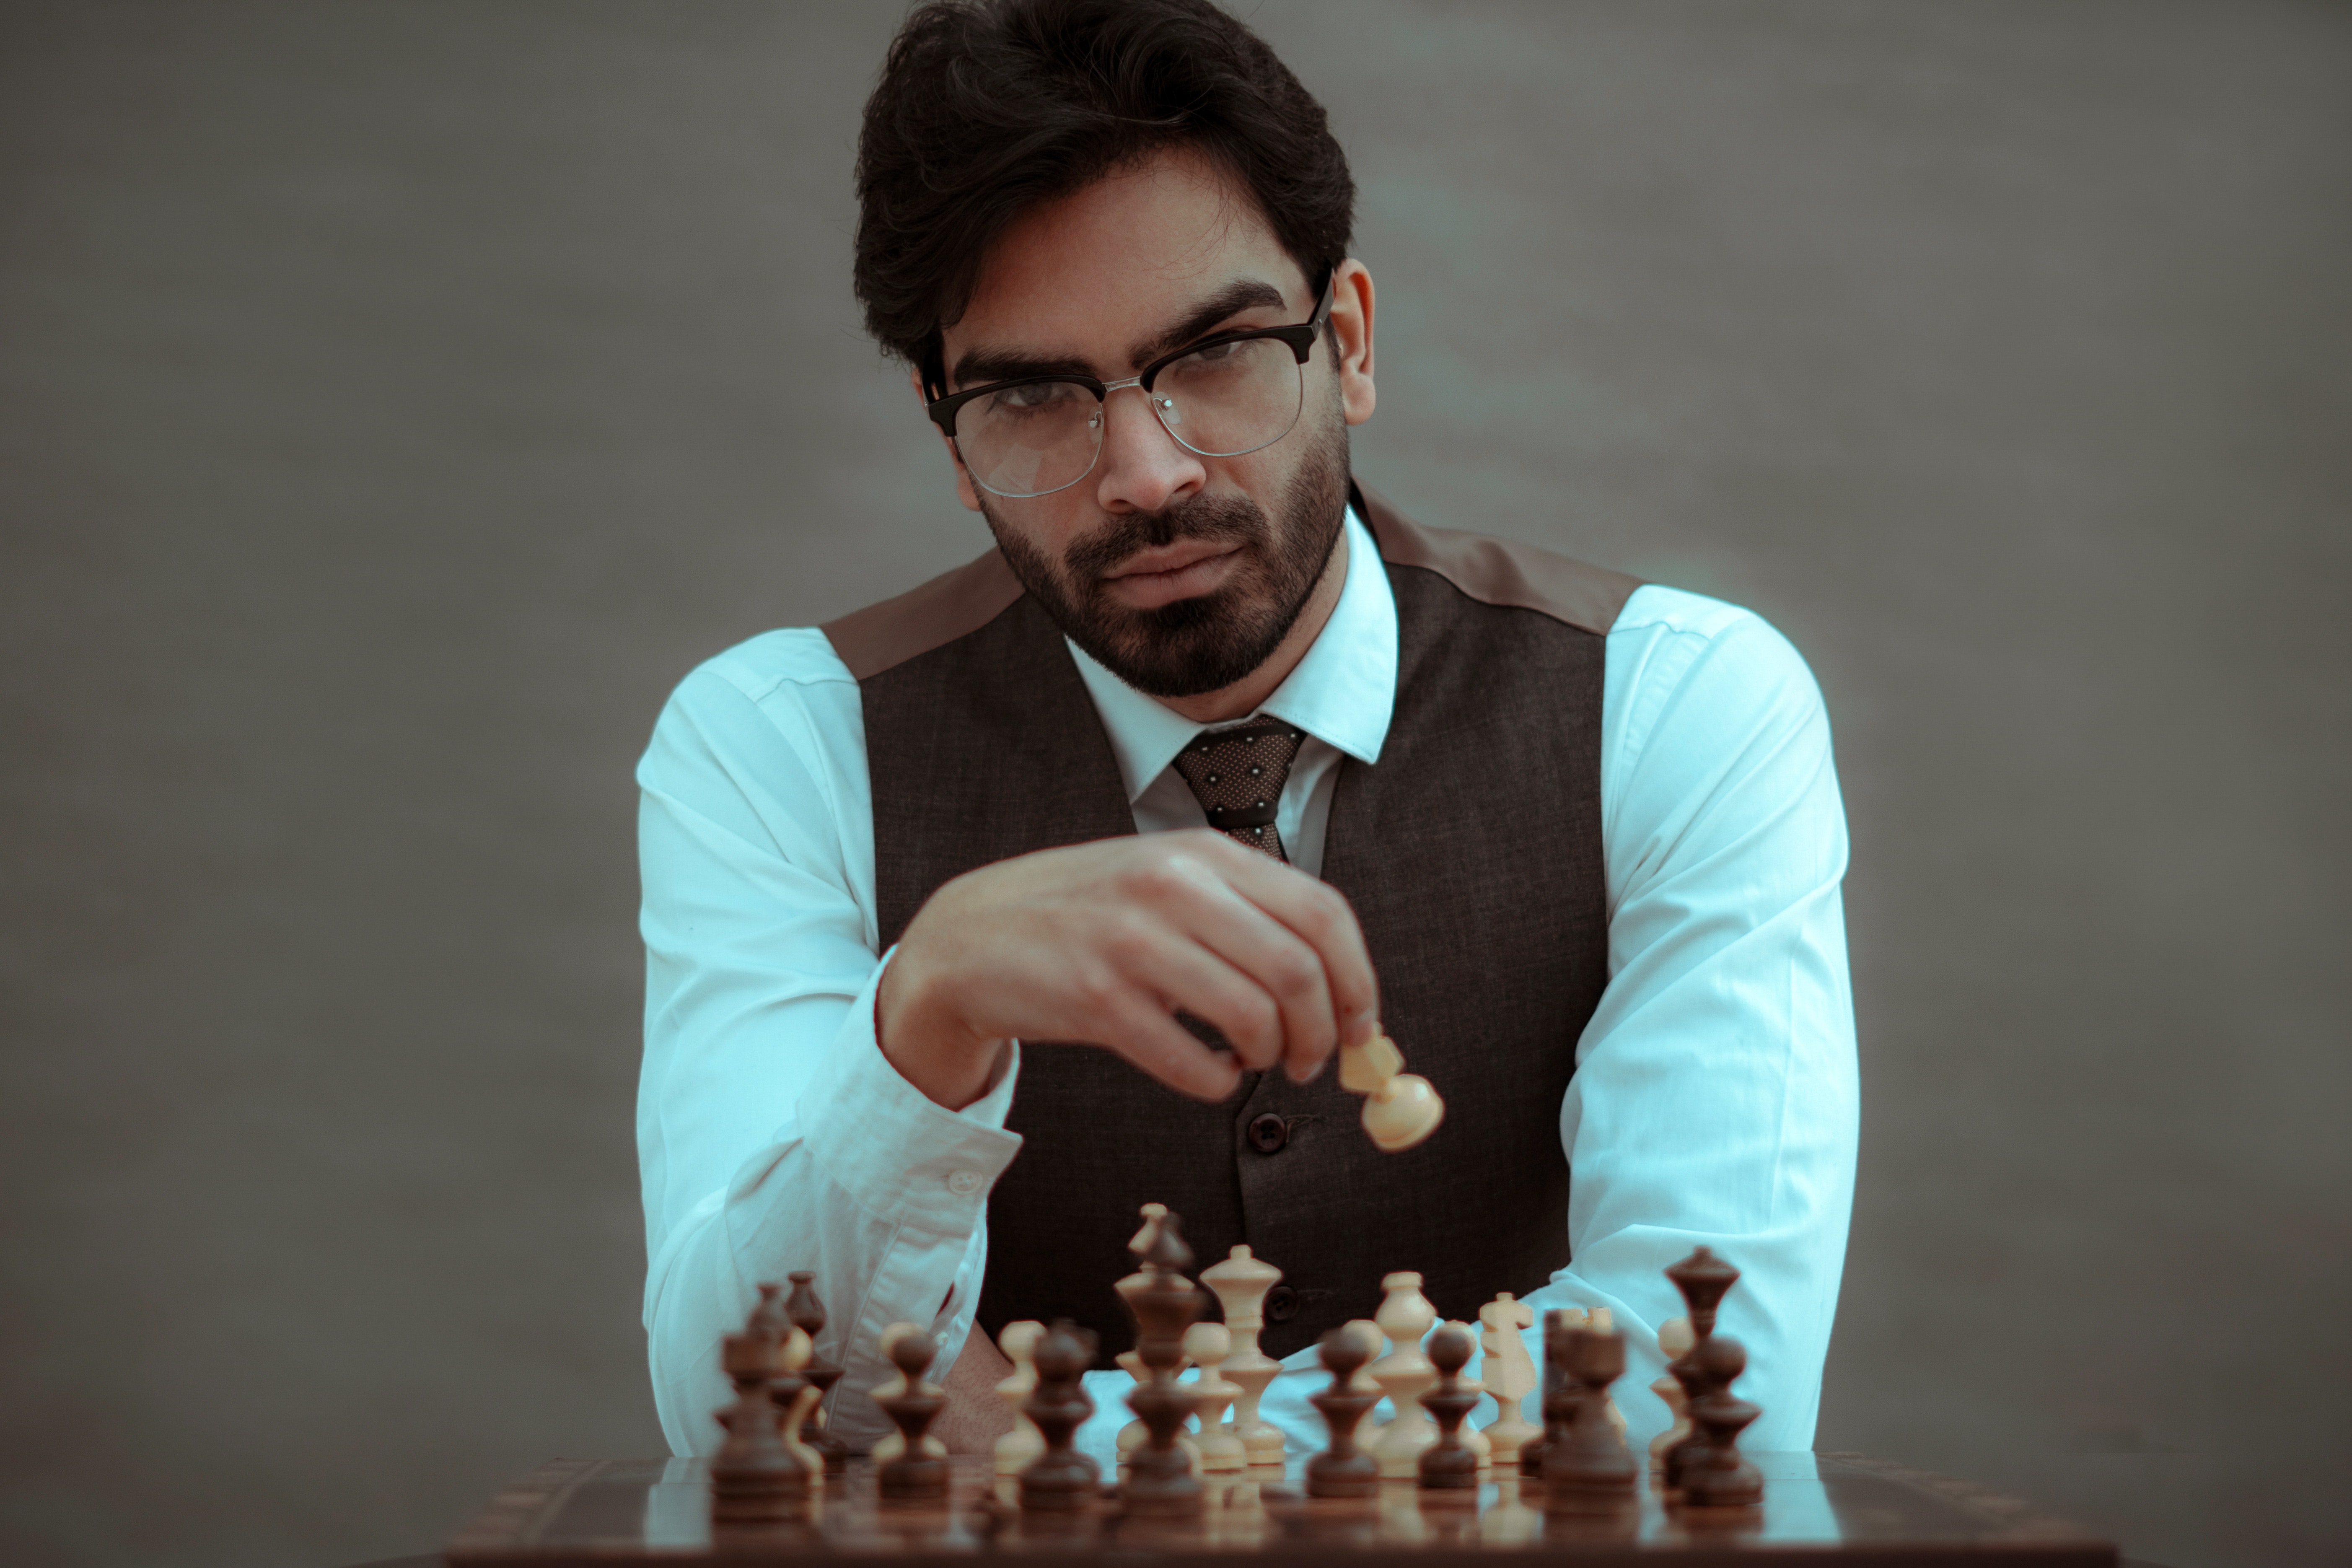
(1225, 401)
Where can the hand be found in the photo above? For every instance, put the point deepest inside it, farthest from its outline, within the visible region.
(1103, 942)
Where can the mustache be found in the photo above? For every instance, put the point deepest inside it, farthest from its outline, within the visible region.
(1217, 519)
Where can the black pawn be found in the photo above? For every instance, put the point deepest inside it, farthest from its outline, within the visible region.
(1588, 1468)
(915, 1473)
(1061, 1479)
(1713, 1475)
(1559, 1398)
(1343, 1469)
(1159, 1479)
(808, 1314)
(754, 1479)
(1450, 1464)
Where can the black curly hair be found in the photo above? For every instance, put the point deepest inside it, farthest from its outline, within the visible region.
(986, 108)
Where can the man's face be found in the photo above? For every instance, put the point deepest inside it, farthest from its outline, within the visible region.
(1181, 573)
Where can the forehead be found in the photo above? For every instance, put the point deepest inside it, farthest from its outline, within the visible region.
(1087, 271)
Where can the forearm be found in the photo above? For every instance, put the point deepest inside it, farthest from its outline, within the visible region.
(1715, 1096)
(877, 1191)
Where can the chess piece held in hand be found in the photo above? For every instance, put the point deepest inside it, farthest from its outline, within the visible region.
(1060, 1480)
(1450, 1464)
(1400, 1109)
(920, 1468)
(1241, 1283)
(1343, 1469)
(1017, 1448)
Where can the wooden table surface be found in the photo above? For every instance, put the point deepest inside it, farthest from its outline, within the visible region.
(1827, 1509)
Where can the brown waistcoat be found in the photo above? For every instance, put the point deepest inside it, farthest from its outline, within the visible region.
(1471, 853)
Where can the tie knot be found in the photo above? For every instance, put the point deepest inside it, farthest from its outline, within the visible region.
(1237, 776)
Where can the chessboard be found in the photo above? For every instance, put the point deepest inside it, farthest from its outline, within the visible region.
(1836, 1510)
(1200, 1475)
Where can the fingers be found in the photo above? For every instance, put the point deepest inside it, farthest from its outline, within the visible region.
(1142, 1030)
(1316, 914)
(1199, 976)
(1288, 991)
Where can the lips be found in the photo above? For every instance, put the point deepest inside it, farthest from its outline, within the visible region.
(1167, 559)
(1185, 570)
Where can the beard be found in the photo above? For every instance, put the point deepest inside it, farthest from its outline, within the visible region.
(1208, 642)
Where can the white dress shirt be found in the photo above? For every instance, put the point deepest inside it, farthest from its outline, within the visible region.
(1714, 1100)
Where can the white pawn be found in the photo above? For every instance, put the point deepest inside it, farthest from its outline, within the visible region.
(1368, 1336)
(1473, 1439)
(1404, 1374)
(796, 1354)
(1400, 1109)
(1508, 1372)
(1601, 1323)
(1675, 1340)
(1017, 1448)
(1241, 1283)
(1208, 1344)
(894, 1442)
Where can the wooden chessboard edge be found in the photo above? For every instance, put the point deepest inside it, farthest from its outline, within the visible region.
(507, 1519)
(2019, 1520)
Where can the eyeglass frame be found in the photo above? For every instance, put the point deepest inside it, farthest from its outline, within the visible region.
(1299, 335)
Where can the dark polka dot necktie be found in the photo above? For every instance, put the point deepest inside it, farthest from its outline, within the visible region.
(1236, 776)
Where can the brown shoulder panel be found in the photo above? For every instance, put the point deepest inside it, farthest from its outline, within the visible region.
(954, 605)
(1501, 571)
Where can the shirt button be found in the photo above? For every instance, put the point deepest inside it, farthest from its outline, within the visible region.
(1281, 1304)
(963, 1182)
(1269, 1133)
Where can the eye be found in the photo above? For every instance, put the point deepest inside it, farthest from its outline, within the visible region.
(1033, 395)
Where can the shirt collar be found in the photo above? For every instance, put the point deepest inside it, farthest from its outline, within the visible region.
(1342, 692)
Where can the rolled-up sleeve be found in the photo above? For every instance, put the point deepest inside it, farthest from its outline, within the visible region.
(1715, 1096)
(772, 1133)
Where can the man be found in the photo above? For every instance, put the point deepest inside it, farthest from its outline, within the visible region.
(1218, 762)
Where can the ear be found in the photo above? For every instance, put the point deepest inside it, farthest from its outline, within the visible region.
(1351, 323)
(964, 492)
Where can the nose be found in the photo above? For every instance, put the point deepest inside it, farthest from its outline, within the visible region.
(1142, 467)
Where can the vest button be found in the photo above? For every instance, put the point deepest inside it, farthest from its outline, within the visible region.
(1269, 1133)
(1281, 1304)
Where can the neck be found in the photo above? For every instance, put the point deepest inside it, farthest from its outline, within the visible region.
(1242, 697)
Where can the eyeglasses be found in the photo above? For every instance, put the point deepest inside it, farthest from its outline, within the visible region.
(1226, 396)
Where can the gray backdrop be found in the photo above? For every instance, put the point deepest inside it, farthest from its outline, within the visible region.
(396, 399)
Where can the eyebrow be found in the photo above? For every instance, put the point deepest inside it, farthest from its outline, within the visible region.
(1243, 294)
(982, 366)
